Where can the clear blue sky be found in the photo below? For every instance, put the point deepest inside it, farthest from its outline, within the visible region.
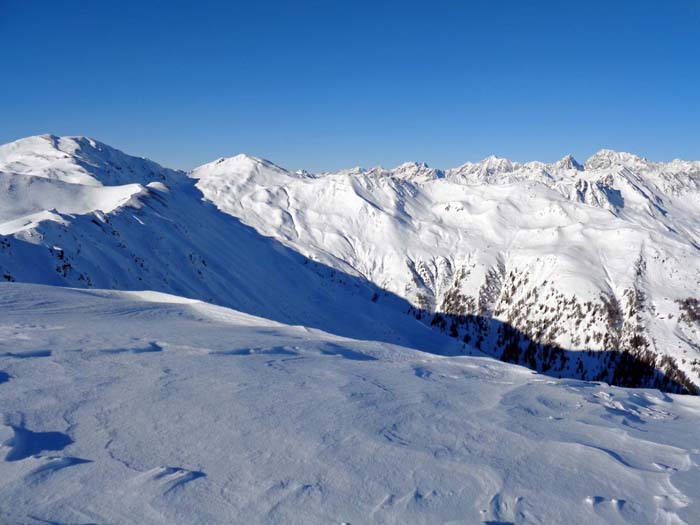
(331, 84)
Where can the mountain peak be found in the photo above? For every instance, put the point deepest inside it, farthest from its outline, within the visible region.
(412, 165)
(243, 160)
(79, 160)
(241, 165)
(494, 164)
(416, 171)
(568, 162)
(607, 158)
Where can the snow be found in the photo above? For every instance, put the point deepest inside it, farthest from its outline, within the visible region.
(78, 160)
(543, 248)
(26, 196)
(121, 406)
(540, 247)
(248, 344)
(617, 226)
(163, 237)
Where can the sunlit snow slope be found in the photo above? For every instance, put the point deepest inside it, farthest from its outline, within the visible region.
(589, 271)
(332, 392)
(534, 263)
(140, 407)
(76, 212)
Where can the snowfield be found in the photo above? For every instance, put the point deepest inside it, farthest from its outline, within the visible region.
(247, 344)
(125, 407)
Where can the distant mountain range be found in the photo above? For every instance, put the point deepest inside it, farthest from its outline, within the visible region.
(577, 270)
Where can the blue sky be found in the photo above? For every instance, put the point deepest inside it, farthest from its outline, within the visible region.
(329, 84)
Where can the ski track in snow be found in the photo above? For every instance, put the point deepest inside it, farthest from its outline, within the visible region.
(187, 415)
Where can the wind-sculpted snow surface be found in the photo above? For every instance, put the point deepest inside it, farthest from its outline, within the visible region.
(135, 407)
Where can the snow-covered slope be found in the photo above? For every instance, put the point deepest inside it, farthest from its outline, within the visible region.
(27, 200)
(332, 392)
(525, 261)
(159, 234)
(588, 271)
(140, 407)
(79, 160)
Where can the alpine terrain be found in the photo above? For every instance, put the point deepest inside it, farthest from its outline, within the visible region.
(243, 343)
(586, 271)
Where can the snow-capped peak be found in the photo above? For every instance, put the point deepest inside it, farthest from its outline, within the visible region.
(411, 165)
(243, 159)
(240, 166)
(79, 160)
(568, 162)
(491, 165)
(416, 171)
(495, 164)
(607, 158)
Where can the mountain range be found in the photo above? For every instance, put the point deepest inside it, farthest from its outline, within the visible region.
(247, 344)
(587, 271)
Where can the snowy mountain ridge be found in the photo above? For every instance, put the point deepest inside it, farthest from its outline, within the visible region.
(599, 256)
(493, 165)
(587, 271)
